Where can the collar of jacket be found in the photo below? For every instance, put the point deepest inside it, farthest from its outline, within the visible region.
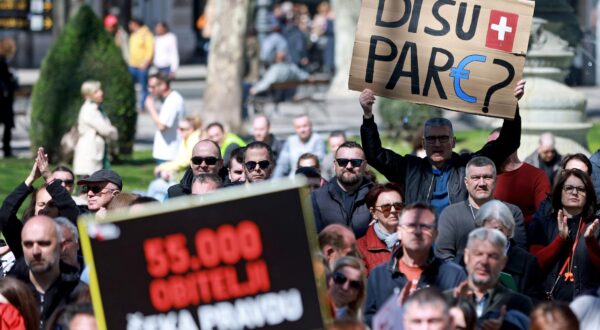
(374, 244)
(361, 192)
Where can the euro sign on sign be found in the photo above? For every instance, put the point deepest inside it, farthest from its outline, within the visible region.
(465, 56)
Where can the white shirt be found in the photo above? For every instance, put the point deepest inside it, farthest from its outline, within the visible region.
(166, 142)
(166, 54)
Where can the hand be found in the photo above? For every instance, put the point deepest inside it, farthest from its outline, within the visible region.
(463, 290)
(252, 91)
(367, 99)
(520, 89)
(42, 164)
(563, 226)
(405, 293)
(495, 324)
(33, 175)
(592, 230)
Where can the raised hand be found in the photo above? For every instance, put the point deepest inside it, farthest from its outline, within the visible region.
(563, 226)
(42, 164)
(592, 230)
(367, 99)
(520, 89)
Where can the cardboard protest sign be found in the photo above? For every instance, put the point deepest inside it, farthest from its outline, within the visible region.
(239, 259)
(466, 56)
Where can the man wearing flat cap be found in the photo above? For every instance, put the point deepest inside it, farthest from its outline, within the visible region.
(102, 186)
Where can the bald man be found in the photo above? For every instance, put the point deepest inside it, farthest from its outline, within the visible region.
(50, 282)
(206, 158)
(546, 157)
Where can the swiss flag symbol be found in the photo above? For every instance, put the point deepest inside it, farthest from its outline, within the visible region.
(502, 29)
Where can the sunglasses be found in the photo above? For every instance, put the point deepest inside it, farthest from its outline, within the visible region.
(341, 279)
(387, 208)
(197, 160)
(343, 162)
(96, 189)
(68, 182)
(251, 165)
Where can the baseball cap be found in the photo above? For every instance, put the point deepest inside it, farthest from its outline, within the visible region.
(103, 176)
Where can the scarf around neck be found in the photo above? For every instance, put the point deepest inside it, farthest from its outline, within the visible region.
(389, 239)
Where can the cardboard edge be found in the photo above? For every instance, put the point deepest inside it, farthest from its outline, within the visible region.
(311, 234)
(86, 246)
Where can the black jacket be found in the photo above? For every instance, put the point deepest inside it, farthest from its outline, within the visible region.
(415, 173)
(58, 294)
(385, 278)
(184, 187)
(11, 226)
(542, 231)
(328, 207)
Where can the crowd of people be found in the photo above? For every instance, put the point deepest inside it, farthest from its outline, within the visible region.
(475, 240)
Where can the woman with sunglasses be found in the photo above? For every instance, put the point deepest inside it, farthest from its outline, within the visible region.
(566, 243)
(385, 202)
(347, 287)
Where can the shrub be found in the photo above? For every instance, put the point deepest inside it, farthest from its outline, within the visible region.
(403, 118)
(83, 51)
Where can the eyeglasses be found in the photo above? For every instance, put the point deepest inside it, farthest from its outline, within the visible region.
(343, 162)
(441, 139)
(387, 208)
(197, 160)
(251, 165)
(68, 182)
(575, 190)
(97, 189)
(341, 279)
(412, 227)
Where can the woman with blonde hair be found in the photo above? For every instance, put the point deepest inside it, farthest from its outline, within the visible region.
(348, 287)
(95, 132)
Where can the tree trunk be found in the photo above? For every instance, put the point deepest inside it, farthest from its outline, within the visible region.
(223, 95)
(346, 19)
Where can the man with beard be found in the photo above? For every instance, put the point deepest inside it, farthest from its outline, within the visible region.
(258, 162)
(458, 219)
(485, 257)
(206, 158)
(342, 200)
(414, 265)
(50, 281)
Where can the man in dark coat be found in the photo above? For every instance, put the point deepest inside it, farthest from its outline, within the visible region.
(342, 200)
(437, 179)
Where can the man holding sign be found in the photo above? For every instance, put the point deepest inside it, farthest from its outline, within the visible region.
(437, 179)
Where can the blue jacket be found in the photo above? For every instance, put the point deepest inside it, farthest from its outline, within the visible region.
(385, 278)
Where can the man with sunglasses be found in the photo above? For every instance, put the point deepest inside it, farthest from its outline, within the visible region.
(258, 162)
(436, 179)
(102, 187)
(458, 219)
(342, 199)
(414, 264)
(206, 158)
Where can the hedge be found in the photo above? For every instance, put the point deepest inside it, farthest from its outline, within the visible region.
(83, 51)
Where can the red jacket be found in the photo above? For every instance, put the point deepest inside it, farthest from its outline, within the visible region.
(372, 249)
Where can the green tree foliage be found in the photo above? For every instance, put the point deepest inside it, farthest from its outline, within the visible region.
(404, 119)
(83, 51)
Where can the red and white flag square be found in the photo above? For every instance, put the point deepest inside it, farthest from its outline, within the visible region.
(502, 29)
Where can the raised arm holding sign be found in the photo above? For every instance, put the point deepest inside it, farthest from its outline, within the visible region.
(465, 56)
(437, 179)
